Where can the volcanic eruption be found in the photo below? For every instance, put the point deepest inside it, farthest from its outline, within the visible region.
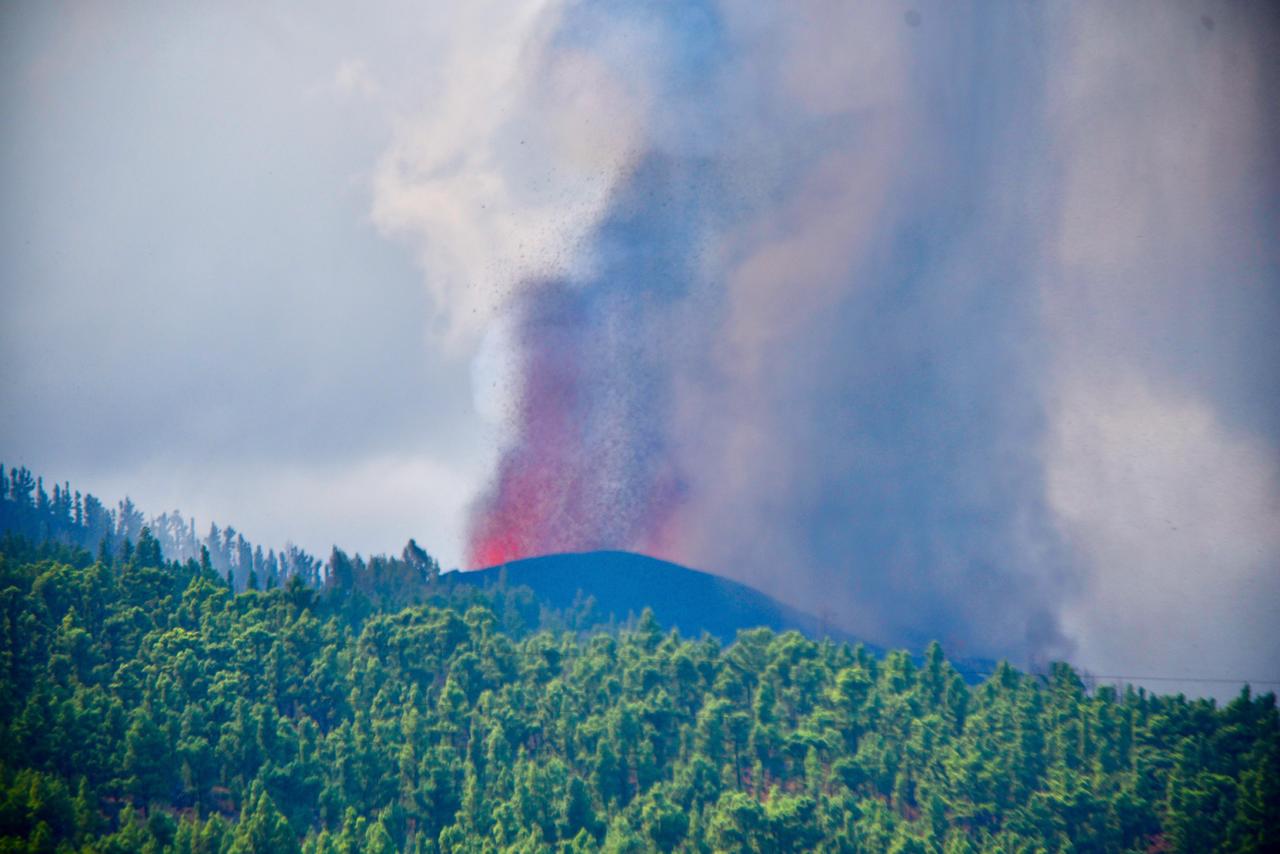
(846, 325)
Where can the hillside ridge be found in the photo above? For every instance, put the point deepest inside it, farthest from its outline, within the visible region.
(624, 583)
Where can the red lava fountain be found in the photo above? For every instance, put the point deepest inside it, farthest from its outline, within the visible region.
(589, 470)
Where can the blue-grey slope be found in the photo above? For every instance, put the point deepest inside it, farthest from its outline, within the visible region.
(624, 583)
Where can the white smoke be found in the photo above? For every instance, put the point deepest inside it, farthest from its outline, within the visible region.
(503, 161)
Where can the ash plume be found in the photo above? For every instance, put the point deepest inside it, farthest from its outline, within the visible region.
(819, 336)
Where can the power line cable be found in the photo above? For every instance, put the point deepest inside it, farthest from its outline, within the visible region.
(1132, 678)
(1217, 679)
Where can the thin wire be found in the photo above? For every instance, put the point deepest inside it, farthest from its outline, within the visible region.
(1185, 679)
(1097, 676)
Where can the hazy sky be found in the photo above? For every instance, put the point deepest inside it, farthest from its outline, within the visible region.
(198, 307)
(954, 320)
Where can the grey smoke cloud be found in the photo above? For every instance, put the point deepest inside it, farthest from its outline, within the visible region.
(1160, 299)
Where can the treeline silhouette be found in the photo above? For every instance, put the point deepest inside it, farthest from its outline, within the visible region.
(66, 516)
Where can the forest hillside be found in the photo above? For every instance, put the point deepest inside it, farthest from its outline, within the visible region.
(147, 706)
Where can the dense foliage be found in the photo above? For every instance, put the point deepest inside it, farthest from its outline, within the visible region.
(148, 707)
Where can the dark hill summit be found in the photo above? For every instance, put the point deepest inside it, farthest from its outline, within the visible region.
(625, 583)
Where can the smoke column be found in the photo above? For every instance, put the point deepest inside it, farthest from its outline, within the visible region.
(814, 337)
(594, 465)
